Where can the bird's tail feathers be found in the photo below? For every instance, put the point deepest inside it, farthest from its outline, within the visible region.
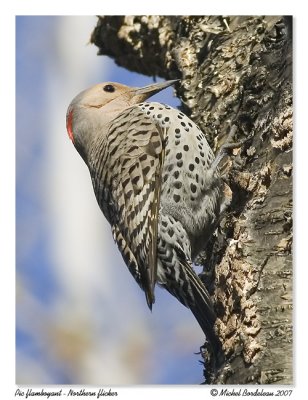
(203, 310)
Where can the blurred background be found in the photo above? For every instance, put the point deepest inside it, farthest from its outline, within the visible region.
(80, 316)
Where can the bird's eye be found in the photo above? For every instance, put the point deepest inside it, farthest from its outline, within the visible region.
(109, 88)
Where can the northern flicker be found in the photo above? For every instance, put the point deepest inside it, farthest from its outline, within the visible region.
(156, 181)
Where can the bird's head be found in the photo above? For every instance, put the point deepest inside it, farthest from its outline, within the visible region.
(91, 111)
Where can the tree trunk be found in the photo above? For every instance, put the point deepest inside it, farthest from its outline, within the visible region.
(235, 71)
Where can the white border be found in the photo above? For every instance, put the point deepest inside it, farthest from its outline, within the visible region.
(7, 159)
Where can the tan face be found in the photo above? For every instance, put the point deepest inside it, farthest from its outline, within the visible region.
(92, 110)
(119, 95)
(101, 94)
(99, 101)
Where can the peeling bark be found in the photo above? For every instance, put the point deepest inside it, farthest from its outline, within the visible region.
(234, 71)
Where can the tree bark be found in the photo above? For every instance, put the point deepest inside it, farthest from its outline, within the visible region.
(234, 71)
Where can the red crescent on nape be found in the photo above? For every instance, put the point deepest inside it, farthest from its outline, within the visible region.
(69, 127)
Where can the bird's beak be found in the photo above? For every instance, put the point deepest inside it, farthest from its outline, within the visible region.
(143, 93)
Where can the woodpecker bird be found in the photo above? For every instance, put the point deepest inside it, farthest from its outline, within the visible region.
(157, 182)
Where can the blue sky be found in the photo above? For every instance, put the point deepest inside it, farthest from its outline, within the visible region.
(80, 316)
